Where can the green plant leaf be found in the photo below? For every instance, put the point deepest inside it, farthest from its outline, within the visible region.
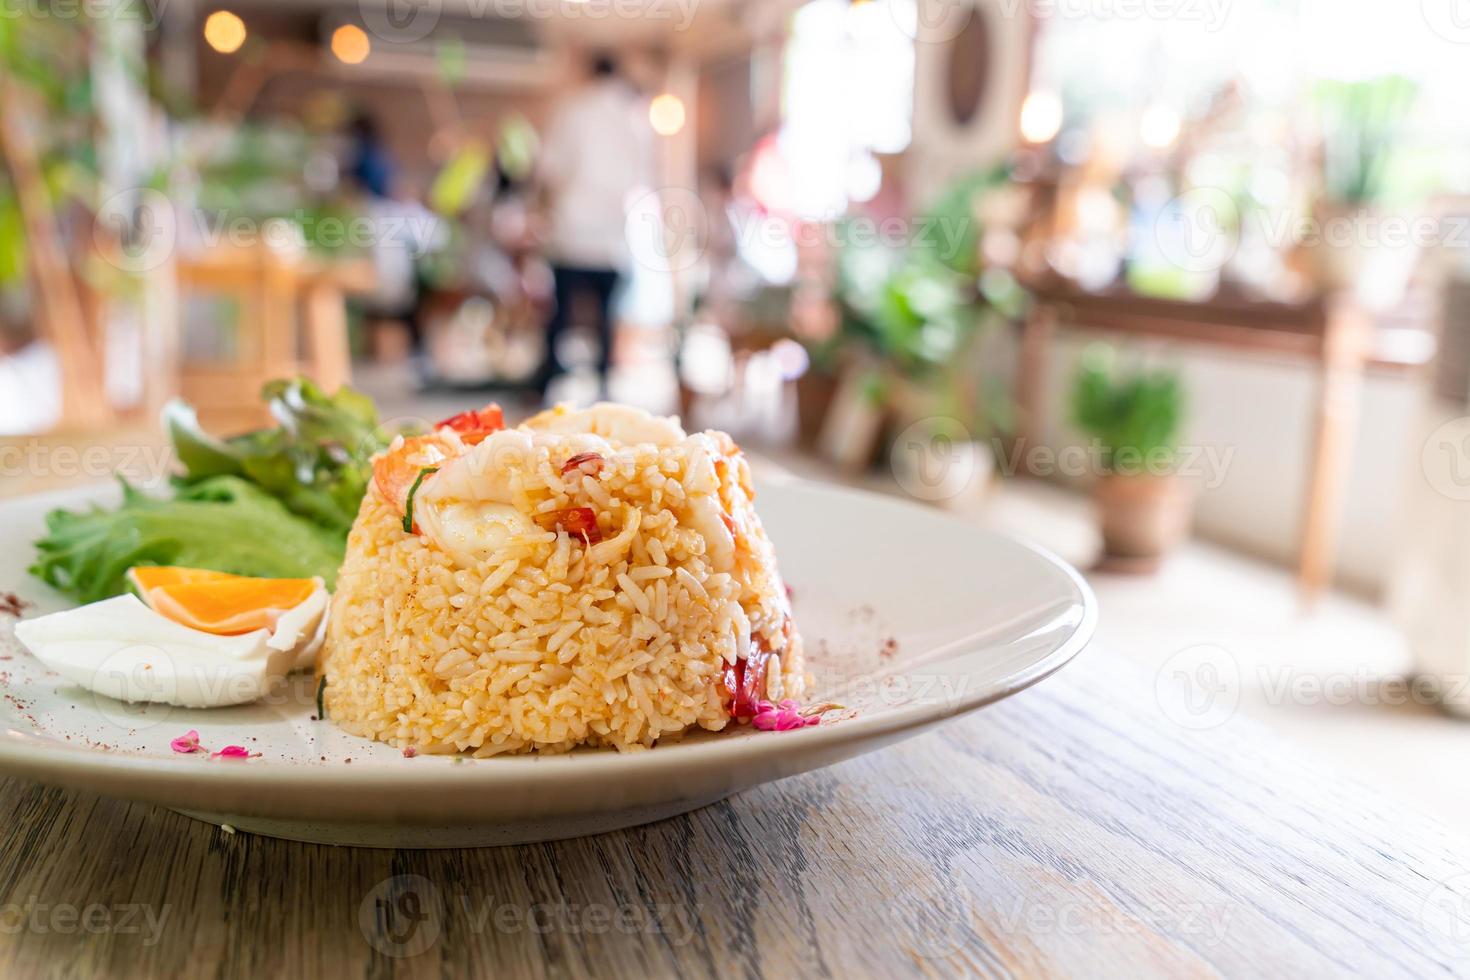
(224, 524)
(1135, 415)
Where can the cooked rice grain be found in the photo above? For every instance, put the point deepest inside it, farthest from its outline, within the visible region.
(548, 643)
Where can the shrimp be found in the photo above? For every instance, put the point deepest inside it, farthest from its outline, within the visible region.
(484, 472)
(707, 513)
(396, 470)
(473, 504)
(619, 424)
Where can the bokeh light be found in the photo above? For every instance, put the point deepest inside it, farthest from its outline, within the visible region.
(1159, 127)
(666, 114)
(350, 44)
(1041, 117)
(224, 31)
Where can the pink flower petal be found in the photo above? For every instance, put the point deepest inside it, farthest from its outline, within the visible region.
(785, 716)
(231, 752)
(186, 743)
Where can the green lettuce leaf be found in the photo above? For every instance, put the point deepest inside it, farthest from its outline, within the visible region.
(223, 523)
(315, 460)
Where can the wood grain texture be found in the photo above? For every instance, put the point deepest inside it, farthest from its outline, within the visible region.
(1071, 831)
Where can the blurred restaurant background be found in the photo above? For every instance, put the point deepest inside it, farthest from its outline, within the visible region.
(1177, 288)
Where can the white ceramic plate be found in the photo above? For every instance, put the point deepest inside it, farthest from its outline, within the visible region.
(910, 618)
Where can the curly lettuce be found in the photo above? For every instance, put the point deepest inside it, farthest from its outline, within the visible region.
(276, 503)
(222, 523)
(315, 460)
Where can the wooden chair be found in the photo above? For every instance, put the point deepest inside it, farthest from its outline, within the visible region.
(274, 315)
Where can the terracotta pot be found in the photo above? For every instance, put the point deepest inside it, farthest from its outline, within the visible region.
(1346, 256)
(814, 393)
(1337, 259)
(1143, 518)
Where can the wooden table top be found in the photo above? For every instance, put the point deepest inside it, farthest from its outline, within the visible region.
(1072, 830)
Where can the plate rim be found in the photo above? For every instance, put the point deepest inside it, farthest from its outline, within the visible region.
(76, 765)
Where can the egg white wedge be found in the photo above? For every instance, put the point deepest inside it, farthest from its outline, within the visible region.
(303, 628)
(121, 649)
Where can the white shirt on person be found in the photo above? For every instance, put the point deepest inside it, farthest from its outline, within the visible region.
(597, 158)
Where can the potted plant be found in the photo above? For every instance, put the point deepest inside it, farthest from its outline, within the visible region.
(1133, 418)
(910, 320)
(1361, 125)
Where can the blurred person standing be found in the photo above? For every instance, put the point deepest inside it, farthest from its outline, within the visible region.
(404, 230)
(369, 163)
(597, 156)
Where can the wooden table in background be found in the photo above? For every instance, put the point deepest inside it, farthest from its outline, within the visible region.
(292, 320)
(1335, 336)
(1082, 828)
